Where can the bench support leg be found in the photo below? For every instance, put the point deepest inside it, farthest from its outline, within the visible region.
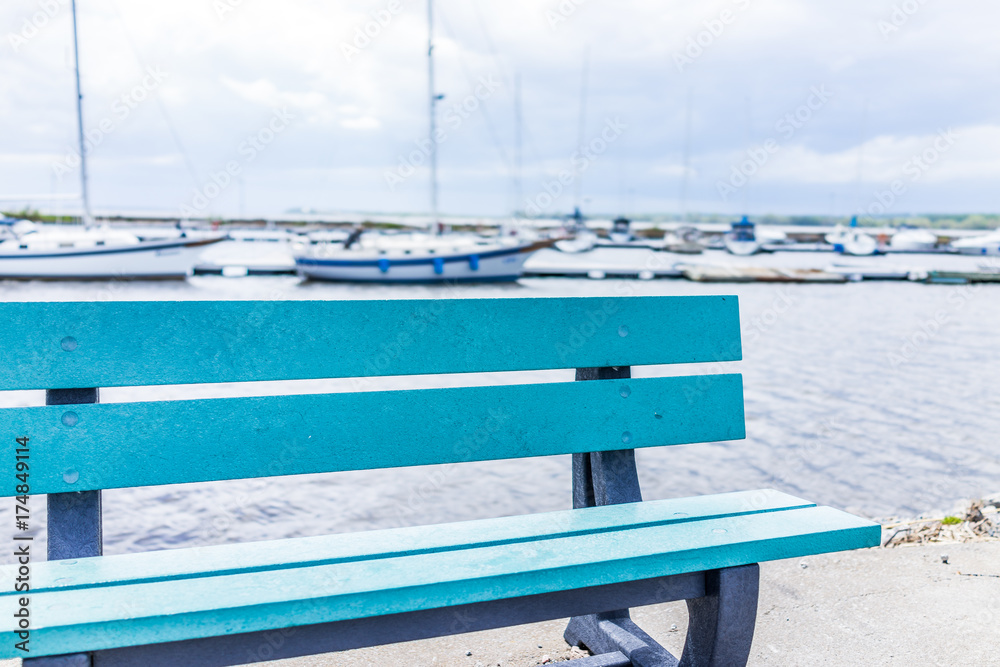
(721, 624)
(615, 632)
(74, 519)
(605, 478)
(74, 525)
(73, 660)
(611, 478)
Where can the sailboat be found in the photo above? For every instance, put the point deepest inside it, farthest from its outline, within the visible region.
(621, 231)
(985, 244)
(420, 257)
(417, 257)
(742, 238)
(913, 240)
(88, 251)
(852, 241)
(581, 239)
(77, 252)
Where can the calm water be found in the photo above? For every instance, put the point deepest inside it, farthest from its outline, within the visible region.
(878, 398)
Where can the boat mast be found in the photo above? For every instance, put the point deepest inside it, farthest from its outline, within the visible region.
(746, 186)
(686, 151)
(581, 128)
(87, 218)
(518, 204)
(861, 159)
(433, 104)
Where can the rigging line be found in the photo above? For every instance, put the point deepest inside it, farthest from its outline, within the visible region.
(188, 163)
(503, 73)
(490, 46)
(521, 131)
(504, 157)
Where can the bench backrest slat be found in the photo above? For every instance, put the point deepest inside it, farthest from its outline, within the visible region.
(85, 447)
(110, 344)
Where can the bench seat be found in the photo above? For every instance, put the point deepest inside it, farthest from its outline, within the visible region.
(185, 594)
(250, 603)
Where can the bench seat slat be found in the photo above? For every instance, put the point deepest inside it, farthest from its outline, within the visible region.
(116, 445)
(128, 614)
(112, 344)
(327, 549)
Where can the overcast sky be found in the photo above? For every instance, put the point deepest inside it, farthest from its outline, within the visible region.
(311, 115)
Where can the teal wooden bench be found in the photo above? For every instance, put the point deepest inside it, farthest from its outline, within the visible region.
(245, 603)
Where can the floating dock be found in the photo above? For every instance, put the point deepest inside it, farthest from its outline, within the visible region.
(856, 273)
(599, 274)
(757, 274)
(601, 263)
(962, 277)
(239, 270)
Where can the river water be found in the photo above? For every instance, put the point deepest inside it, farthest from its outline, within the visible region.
(880, 398)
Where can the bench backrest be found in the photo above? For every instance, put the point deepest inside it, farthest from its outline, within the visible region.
(119, 344)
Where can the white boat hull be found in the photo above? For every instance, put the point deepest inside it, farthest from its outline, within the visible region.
(913, 241)
(982, 245)
(983, 250)
(247, 257)
(860, 245)
(582, 242)
(488, 265)
(145, 260)
(742, 248)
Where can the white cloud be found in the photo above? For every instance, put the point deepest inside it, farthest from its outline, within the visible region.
(223, 72)
(362, 123)
(972, 155)
(266, 93)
